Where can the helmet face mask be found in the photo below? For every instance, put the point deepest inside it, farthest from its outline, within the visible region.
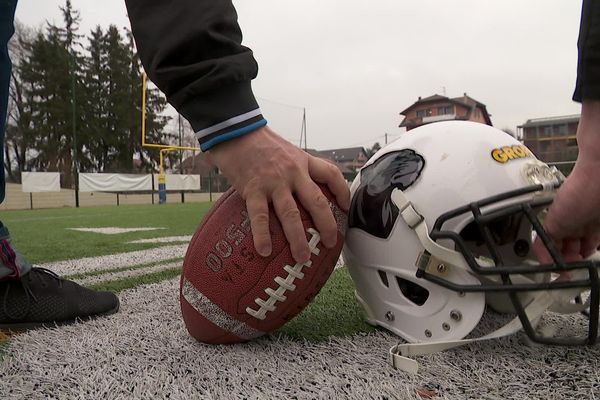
(443, 220)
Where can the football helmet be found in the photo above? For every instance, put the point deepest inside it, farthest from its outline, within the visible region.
(442, 222)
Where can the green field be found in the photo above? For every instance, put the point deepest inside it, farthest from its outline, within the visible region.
(44, 236)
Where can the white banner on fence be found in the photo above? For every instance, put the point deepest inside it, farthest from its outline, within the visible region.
(92, 182)
(33, 182)
(180, 182)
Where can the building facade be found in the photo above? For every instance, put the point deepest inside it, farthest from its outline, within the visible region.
(552, 139)
(352, 158)
(440, 108)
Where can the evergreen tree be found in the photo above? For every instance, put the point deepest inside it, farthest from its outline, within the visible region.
(52, 69)
(69, 101)
(373, 149)
(118, 102)
(48, 71)
(95, 135)
(156, 121)
(113, 77)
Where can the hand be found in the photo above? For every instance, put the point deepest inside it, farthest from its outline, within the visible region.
(573, 220)
(263, 168)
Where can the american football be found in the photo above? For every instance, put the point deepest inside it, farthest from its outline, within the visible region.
(229, 293)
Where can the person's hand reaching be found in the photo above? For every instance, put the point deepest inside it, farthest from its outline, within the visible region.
(265, 168)
(573, 220)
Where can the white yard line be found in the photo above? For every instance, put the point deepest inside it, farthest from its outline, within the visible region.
(166, 239)
(89, 264)
(113, 276)
(144, 351)
(111, 230)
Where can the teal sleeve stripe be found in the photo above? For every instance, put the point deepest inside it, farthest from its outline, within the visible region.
(232, 135)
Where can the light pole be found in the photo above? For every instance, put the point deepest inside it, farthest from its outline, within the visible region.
(74, 123)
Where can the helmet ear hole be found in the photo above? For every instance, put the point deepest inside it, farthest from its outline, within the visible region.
(413, 292)
(521, 248)
(384, 278)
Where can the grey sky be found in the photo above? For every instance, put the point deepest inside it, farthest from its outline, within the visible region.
(356, 64)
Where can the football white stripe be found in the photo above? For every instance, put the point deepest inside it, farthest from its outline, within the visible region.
(214, 314)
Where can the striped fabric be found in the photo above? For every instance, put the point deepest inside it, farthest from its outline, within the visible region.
(230, 129)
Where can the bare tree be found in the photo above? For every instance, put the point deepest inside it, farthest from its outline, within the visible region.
(18, 130)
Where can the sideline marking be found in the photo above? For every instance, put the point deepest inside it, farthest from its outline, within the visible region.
(111, 230)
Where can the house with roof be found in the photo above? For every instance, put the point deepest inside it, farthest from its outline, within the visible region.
(210, 178)
(199, 165)
(441, 108)
(348, 173)
(352, 158)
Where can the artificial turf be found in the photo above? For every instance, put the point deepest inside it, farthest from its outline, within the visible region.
(44, 236)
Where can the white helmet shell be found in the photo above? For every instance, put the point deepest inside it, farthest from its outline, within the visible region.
(438, 167)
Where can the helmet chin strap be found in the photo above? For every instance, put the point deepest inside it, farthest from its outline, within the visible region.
(400, 353)
(555, 300)
(416, 222)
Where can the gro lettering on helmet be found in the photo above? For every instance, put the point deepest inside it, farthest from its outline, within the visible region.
(507, 153)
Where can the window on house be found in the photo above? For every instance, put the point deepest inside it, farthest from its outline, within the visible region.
(445, 110)
(420, 113)
(530, 133)
(547, 131)
(562, 130)
(544, 146)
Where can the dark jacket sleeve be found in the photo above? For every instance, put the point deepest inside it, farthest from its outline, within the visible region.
(191, 49)
(587, 85)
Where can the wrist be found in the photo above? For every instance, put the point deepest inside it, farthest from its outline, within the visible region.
(588, 132)
(234, 149)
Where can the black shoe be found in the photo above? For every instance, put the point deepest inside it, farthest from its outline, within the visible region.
(42, 298)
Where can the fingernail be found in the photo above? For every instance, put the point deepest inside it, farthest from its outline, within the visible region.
(330, 242)
(303, 257)
(345, 206)
(264, 251)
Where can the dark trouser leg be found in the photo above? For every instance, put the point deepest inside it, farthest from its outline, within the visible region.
(41, 297)
(12, 264)
(7, 15)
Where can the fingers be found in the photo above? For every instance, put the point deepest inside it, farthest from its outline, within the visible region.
(291, 222)
(317, 205)
(582, 243)
(258, 211)
(324, 172)
(271, 171)
(571, 250)
(540, 251)
(589, 245)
